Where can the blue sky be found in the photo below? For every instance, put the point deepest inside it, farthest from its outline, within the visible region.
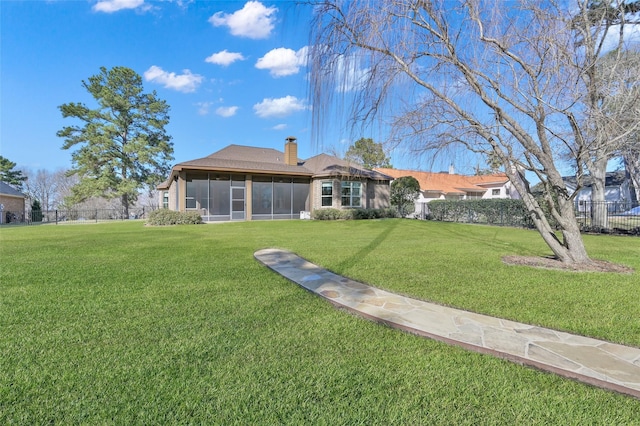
(233, 72)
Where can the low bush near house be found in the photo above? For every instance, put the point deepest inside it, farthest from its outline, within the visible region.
(164, 217)
(189, 218)
(327, 214)
(355, 214)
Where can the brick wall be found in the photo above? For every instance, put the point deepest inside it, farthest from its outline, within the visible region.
(14, 205)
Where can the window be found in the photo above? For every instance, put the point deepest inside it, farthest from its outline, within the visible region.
(282, 196)
(495, 192)
(220, 201)
(262, 198)
(327, 194)
(351, 194)
(279, 197)
(300, 195)
(197, 192)
(165, 200)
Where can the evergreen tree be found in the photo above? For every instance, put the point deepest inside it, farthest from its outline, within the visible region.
(122, 145)
(9, 175)
(368, 153)
(36, 211)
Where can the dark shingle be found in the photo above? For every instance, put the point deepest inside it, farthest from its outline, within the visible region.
(6, 189)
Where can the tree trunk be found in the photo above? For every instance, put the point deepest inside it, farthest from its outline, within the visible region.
(632, 173)
(599, 216)
(125, 205)
(568, 249)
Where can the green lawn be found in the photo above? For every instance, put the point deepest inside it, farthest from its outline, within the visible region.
(125, 324)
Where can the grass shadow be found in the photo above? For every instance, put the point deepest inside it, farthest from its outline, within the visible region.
(363, 252)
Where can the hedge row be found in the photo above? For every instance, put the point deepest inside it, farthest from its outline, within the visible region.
(503, 211)
(353, 214)
(163, 217)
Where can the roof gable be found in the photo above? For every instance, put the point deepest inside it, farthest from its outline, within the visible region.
(328, 165)
(612, 179)
(6, 189)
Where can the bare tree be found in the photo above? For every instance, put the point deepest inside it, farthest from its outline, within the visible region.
(609, 94)
(149, 199)
(622, 106)
(631, 162)
(500, 78)
(49, 188)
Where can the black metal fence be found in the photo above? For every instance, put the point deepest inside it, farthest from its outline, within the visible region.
(616, 217)
(36, 217)
(601, 217)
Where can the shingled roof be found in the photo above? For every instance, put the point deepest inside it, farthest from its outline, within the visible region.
(238, 158)
(6, 189)
(324, 165)
(248, 159)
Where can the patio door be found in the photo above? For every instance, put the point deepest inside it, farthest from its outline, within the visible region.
(237, 203)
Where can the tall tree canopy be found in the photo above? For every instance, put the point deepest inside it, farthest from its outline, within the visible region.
(497, 77)
(122, 145)
(368, 153)
(8, 173)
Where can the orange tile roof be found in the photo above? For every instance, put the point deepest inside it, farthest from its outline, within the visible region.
(447, 183)
(495, 179)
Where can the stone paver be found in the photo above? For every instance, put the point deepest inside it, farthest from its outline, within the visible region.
(604, 364)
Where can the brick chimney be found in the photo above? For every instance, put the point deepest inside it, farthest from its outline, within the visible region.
(291, 151)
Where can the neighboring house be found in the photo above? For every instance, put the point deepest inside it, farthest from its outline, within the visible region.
(451, 186)
(12, 204)
(617, 192)
(249, 183)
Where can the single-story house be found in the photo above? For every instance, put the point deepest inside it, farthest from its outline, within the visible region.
(250, 183)
(617, 191)
(12, 204)
(452, 186)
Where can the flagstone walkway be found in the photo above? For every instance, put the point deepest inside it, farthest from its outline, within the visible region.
(596, 362)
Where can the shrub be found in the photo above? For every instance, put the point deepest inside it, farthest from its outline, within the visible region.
(164, 217)
(189, 218)
(389, 212)
(355, 214)
(491, 211)
(327, 214)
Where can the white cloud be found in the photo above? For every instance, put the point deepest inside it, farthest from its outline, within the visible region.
(631, 37)
(110, 6)
(279, 127)
(224, 58)
(280, 107)
(186, 82)
(227, 111)
(282, 61)
(351, 76)
(203, 107)
(254, 20)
